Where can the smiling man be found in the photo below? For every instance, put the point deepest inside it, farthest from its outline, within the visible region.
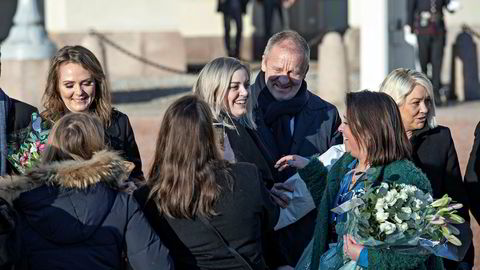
(292, 120)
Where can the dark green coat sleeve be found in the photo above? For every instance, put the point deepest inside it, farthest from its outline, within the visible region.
(315, 177)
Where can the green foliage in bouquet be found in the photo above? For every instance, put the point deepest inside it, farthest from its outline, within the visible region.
(25, 146)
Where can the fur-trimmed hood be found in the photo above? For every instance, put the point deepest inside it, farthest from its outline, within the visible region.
(104, 166)
(68, 201)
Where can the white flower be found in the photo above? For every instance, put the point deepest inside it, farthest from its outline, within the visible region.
(402, 227)
(384, 185)
(397, 220)
(380, 204)
(387, 227)
(381, 216)
(418, 203)
(391, 197)
(403, 195)
(410, 189)
(407, 210)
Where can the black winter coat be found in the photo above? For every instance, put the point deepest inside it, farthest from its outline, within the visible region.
(244, 214)
(71, 217)
(316, 130)
(472, 175)
(434, 153)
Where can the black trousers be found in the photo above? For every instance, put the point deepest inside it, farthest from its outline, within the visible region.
(233, 12)
(430, 50)
(269, 8)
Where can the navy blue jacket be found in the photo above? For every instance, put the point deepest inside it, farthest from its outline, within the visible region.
(72, 217)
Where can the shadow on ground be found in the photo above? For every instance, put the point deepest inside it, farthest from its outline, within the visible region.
(145, 95)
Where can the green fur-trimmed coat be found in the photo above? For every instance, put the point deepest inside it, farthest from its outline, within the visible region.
(324, 186)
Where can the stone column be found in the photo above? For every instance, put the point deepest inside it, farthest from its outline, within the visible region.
(27, 39)
(26, 54)
(332, 70)
(373, 43)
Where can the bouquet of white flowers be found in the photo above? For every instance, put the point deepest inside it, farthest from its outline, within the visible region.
(401, 217)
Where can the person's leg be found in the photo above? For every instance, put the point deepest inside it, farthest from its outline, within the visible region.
(279, 8)
(436, 59)
(226, 25)
(423, 51)
(236, 12)
(268, 7)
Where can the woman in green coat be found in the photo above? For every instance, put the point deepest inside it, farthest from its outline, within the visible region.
(377, 150)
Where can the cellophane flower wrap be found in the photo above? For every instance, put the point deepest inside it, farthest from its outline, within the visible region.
(404, 219)
(25, 146)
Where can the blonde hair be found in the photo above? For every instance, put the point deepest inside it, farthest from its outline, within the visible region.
(53, 103)
(213, 84)
(401, 82)
(75, 136)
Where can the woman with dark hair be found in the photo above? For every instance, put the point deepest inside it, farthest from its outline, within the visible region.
(71, 214)
(209, 212)
(76, 83)
(433, 147)
(377, 150)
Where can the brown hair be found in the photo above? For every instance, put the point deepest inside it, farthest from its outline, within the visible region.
(376, 124)
(75, 136)
(53, 103)
(183, 177)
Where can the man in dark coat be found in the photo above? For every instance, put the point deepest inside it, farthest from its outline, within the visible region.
(233, 10)
(14, 115)
(292, 120)
(425, 19)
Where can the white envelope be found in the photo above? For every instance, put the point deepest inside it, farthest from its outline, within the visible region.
(301, 201)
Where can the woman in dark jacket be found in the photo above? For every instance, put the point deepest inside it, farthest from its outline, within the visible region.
(472, 175)
(76, 83)
(433, 148)
(194, 198)
(71, 214)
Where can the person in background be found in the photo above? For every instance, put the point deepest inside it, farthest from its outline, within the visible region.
(233, 10)
(433, 148)
(291, 119)
(378, 150)
(70, 212)
(209, 212)
(14, 115)
(76, 82)
(425, 19)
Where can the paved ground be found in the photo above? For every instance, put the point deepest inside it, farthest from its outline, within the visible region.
(147, 102)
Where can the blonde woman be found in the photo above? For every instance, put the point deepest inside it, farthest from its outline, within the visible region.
(433, 148)
(224, 84)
